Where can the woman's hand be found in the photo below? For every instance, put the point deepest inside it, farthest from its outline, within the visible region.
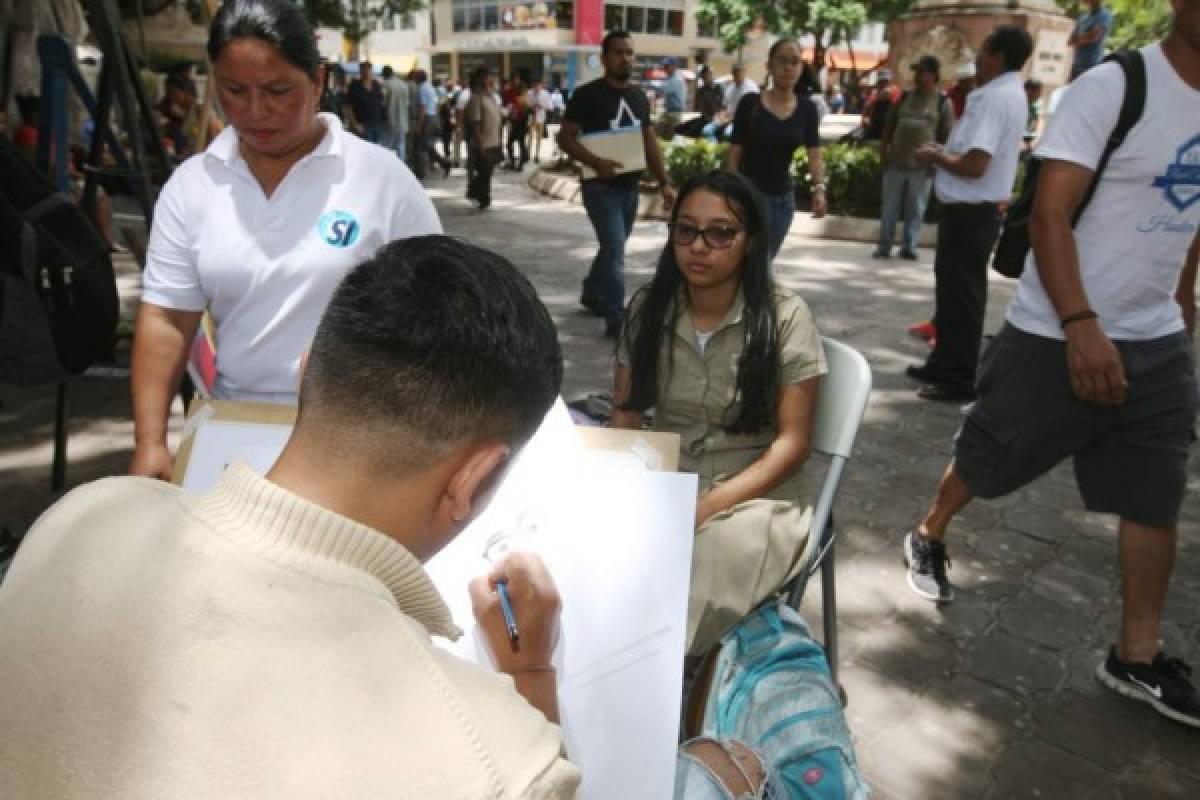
(819, 204)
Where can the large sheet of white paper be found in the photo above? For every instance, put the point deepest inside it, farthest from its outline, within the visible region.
(618, 539)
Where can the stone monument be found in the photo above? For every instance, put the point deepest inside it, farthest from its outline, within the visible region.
(953, 30)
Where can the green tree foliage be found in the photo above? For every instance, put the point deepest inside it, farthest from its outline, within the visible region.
(356, 18)
(887, 10)
(1135, 22)
(829, 21)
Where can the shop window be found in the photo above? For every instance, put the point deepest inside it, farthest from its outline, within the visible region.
(635, 19)
(656, 20)
(675, 23)
(614, 18)
(564, 15)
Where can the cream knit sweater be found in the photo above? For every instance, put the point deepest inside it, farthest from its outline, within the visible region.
(244, 644)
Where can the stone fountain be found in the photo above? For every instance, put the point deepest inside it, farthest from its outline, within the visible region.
(953, 30)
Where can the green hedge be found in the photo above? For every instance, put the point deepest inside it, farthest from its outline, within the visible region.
(852, 174)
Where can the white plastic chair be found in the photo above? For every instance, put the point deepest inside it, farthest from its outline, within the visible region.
(841, 403)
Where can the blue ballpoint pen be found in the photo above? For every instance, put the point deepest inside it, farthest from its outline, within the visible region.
(510, 619)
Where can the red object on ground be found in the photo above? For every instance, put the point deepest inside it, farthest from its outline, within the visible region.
(923, 330)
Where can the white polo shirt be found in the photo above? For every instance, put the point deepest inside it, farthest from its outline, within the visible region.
(266, 266)
(994, 121)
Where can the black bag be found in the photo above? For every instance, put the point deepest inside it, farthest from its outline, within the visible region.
(1014, 243)
(58, 295)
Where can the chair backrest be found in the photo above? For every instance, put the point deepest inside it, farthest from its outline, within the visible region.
(842, 400)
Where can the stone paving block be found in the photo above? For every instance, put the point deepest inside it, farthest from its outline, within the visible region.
(970, 615)
(911, 650)
(1158, 782)
(1033, 769)
(1110, 735)
(998, 715)
(1042, 620)
(1074, 587)
(1014, 663)
(1008, 547)
(875, 701)
(1090, 556)
(943, 767)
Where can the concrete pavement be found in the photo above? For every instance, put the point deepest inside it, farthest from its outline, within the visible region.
(991, 697)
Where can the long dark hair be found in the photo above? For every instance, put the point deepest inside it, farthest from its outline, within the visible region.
(279, 23)
(655, 309)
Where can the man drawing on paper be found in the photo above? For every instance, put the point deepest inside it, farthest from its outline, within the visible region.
(611, 103)
(272, 638)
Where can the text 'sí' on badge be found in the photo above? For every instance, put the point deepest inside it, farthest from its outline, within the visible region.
(338, 228)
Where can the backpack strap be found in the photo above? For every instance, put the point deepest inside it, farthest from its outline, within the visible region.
(1132, 106)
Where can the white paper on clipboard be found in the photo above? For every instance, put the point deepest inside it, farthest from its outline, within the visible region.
(623, 145)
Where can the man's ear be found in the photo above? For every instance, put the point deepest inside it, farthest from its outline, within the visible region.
(471, 483)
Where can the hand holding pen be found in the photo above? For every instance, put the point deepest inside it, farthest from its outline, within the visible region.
(521, 639)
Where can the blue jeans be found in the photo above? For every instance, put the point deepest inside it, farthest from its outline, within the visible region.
(394, 140)
(907, 188)
(612, 210)
(781, 208)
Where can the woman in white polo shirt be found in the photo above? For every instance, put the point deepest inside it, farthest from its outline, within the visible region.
(261, 227)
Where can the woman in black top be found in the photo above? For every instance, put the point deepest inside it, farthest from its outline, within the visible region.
(767, 129)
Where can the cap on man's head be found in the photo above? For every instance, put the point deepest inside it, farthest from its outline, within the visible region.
(928, 64)
(966, 70)
(884, 74)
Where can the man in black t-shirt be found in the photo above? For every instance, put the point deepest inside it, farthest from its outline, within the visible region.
(366, 100)
(611, 103)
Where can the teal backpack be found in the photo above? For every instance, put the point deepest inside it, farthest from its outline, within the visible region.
(771, 689)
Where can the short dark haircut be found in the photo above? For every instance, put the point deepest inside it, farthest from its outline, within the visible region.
(431, 343)
(611, 37)
(279, 23)
(387, 71)
(1013, 43)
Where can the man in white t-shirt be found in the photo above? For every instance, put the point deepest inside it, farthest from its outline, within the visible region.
(1096, 360)
(540, 103)
(975, 172)
(739, 86)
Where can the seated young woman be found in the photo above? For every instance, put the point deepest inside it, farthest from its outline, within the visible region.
(732, 363)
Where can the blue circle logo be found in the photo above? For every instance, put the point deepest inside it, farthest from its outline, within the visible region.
(338, 228)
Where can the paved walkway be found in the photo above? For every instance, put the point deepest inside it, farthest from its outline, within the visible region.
(992, 697)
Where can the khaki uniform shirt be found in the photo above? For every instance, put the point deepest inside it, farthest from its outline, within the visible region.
(696, 390)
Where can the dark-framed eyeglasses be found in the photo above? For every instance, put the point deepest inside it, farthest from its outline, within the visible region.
(718, 237)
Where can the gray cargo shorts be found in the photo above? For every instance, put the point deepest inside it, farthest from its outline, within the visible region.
(1130, 460)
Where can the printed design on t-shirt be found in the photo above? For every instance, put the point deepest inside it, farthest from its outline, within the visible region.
(338, 228)
(623, 109)
(1181, 183)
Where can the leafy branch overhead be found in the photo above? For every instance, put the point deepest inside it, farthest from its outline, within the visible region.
(357, 18)
(829, 21)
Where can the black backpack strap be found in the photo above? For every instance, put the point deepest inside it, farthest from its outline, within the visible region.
(1132, 106)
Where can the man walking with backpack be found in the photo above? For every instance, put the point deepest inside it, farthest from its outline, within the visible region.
(923, 115)
(1095, 361)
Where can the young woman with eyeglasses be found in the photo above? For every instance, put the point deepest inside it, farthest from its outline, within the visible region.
(767, 129)
(732, 363)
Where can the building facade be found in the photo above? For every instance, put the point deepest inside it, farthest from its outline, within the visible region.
(559, 42)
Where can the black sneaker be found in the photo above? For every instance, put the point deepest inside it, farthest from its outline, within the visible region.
(926, 561)
(1163, 684)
